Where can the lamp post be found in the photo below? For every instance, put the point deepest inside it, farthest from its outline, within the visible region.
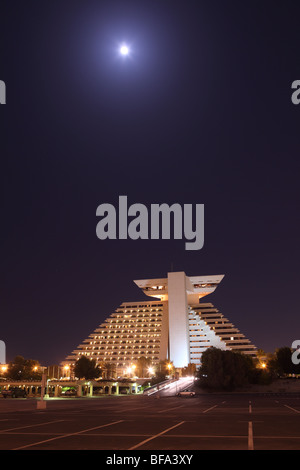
(41, 404)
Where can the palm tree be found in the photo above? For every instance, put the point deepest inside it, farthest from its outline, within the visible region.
(142, 365)
(87, 369)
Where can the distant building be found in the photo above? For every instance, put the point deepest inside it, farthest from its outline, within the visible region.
(54, 372)
(175, 326)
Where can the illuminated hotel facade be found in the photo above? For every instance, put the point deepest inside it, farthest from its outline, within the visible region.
(174, 326)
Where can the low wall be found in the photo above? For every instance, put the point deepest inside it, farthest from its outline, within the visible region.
(277, 386)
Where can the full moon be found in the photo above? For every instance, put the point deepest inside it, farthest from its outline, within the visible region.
(124, 50)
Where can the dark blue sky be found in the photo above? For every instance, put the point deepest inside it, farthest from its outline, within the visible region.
(200, 114)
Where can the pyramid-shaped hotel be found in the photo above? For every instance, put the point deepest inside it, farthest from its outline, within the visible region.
(174, 325)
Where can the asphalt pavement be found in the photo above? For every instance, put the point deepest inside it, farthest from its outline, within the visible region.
(131, 423)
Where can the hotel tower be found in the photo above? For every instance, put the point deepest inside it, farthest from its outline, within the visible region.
(174, 325)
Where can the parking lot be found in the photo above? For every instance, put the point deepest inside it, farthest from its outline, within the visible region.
(134, 423)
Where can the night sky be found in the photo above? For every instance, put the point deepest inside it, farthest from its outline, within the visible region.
(199, 113)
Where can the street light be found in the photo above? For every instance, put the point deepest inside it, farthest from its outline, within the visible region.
(66, 369)
(131, 369)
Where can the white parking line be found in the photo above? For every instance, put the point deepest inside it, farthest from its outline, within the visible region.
(67, 435)
(208, 409)
(156, 435)
(169, 409)
(31, 425)
(130, 409)
(287, 406)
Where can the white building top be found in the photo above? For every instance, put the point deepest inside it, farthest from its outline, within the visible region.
(196, 286)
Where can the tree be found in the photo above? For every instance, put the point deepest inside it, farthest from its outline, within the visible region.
(142, 366)
(161, 372)
(87, 369)
(225, 369)
(24, 369)
(108, 370)
(228, 370)
(165, 367)
(282, 362)
(189, 370)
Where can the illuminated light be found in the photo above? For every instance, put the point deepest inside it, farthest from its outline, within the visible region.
(124, 50)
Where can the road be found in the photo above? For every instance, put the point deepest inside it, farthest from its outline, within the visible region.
(173, 388)
(134, 423)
